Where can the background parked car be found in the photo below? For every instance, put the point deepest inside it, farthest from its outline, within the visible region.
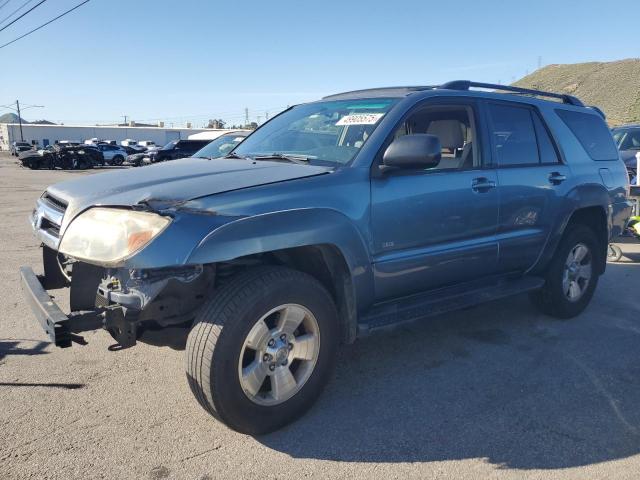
(144, 156)
(133, 149)
(222, 145)
(37, 159)
(113, 154)
(76, 157)
(627, 139)
(179, 149)
(17, 147)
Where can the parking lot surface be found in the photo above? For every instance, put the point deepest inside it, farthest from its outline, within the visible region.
(498, 391)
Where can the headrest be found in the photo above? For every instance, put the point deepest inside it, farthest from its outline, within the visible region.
(448, 131)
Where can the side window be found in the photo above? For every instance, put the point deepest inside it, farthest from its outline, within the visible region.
(513, 135)
(454, 126)
(548, 153)
(592, 133)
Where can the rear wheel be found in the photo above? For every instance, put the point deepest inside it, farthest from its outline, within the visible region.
(571, 277)
(118, 159)
(261, 351)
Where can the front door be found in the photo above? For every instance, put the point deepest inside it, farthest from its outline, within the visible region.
(437, 226)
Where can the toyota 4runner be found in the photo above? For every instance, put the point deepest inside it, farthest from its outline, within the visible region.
(335, 218)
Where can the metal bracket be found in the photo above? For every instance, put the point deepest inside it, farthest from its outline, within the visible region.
(122, 329)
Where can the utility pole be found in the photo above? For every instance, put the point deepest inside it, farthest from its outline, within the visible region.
(17, 109)
(19, 120)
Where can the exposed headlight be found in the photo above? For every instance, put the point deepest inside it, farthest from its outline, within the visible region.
(108, 235)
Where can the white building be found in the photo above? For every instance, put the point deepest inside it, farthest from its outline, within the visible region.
(45, 135)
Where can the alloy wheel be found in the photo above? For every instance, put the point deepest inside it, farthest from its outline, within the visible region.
(577, 272)
(279, 354)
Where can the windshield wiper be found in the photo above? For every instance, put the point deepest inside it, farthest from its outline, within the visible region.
(293, 158)
(234, 155)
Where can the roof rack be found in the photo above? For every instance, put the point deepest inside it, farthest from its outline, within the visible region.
(467, 84)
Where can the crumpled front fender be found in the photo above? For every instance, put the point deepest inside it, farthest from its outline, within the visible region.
(289, 229)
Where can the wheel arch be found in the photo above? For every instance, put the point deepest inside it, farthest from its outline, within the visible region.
(594, 217)
(593, 214)
(320, 242)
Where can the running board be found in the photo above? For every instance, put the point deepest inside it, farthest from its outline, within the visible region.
(416, 307)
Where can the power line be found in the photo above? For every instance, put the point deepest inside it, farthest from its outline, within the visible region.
(44, 24)
(25, 13)
(14, 12)
(4, 3)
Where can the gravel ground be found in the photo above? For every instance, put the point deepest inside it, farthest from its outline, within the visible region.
(497, 391)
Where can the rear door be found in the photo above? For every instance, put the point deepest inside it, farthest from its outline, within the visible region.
(531, 181)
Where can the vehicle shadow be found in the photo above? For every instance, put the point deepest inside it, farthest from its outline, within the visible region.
(499, 382)
(15, 347)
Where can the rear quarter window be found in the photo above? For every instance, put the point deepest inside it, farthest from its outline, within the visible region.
(592, 133)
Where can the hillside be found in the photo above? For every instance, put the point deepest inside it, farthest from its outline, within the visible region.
(10, 118)
(612, 86)
(13, 118)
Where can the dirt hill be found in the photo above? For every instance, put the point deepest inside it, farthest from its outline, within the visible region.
(612, 86)
(10, 118)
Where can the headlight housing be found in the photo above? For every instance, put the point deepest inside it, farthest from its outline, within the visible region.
(109, 235)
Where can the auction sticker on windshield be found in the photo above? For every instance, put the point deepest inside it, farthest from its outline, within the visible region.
(360, 119)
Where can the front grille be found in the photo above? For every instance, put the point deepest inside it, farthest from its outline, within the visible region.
(54, 202)
(47, 219)
(50, 227)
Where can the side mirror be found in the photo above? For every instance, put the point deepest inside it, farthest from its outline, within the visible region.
(415, 151)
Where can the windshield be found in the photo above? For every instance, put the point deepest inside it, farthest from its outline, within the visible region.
(330, 132)
(168, 146)
(220, 146)
(22, 144)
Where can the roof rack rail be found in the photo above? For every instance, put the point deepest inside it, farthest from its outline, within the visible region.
(467, 84)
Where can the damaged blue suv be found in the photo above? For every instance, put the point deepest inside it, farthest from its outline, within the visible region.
(334, 219)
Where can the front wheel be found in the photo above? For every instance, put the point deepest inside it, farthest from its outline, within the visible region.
(571, 277)
(261, 351)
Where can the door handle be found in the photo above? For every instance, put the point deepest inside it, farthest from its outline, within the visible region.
(482, 184)
(556, 178)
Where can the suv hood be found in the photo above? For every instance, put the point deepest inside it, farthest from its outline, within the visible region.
(175, 182)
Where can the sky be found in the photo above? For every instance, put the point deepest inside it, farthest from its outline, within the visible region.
(188, 60)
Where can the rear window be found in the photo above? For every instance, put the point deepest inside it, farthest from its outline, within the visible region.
(592, 133)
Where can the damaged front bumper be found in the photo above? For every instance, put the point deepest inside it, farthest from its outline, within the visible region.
(63, 329)
(149, 305)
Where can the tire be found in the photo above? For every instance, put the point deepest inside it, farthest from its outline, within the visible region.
(217, 352)
(553, 299)
(118, 159)
(614, 253)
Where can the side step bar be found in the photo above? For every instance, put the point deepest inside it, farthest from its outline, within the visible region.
(416, 307)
